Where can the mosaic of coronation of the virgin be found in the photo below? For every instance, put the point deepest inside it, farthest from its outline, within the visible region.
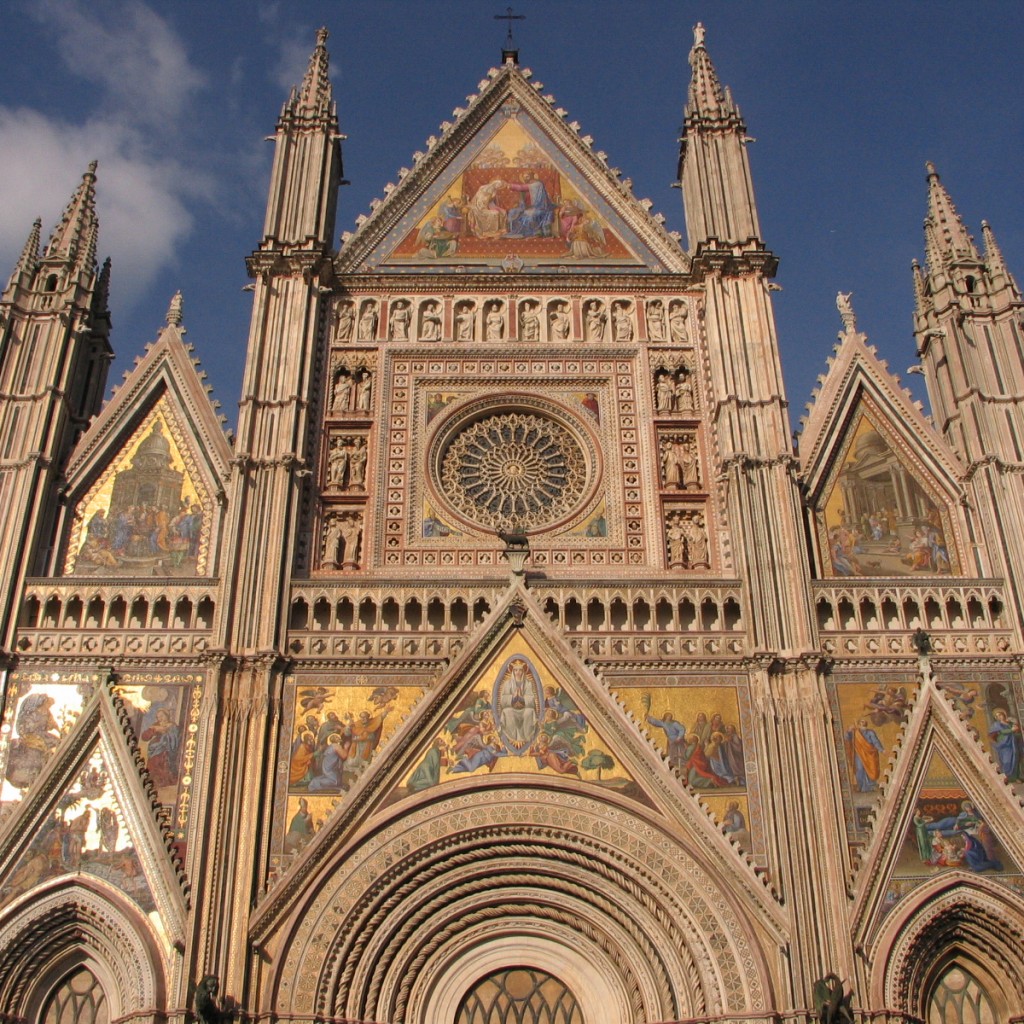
(511, 194)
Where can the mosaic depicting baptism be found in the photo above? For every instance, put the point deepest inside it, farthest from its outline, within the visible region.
(147, 515)
(879, 520)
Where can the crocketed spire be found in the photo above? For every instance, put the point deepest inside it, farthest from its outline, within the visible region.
(950, 237)
(707, 98)
(74, 237)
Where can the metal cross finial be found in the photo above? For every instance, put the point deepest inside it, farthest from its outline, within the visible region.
(509, 17)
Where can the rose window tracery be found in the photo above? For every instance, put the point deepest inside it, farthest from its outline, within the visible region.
(514, 470)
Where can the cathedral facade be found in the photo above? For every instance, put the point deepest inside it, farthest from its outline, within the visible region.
(509, 663)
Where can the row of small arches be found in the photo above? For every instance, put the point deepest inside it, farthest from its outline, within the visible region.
(116, 613)
(389, 615)
(869, 613)
(710, 614)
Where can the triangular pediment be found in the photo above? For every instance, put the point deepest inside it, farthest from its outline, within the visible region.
(517, 710)
(510, 185)
(945, 811)
(883, 487)
(92, 812)
(145, 482)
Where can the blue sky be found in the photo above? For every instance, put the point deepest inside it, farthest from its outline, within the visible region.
(847, 102)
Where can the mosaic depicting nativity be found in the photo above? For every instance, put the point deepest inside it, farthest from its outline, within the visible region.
(509, 663)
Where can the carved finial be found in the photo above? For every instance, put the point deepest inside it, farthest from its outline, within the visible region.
(174, 310)
(698, 34)
(846, 313)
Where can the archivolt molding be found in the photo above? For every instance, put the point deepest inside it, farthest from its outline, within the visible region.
(396, 901)
(958, 912)
(66, 924)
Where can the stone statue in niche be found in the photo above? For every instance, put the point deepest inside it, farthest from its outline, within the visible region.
(401, 318)
(341, 398)
(368, 321)
(357, 455)
(680, 462)
(346, 322)
(655, 320)
(529, 321)
(494, 321)
(622, 321)
(674, 390)
(351, 538)
(594, 320)
(346, 464)
(343, 533)
(465, 321)
(430, 322)
(559, 321)
(678, 314)
(685, 399)
(687, 541)
(337, 465)
(364, 391)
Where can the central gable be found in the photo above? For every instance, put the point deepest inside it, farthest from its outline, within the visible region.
(511, 186)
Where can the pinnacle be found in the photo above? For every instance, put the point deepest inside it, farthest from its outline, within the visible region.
(707, 97)
(74, 238)
(314, 95)
(950, 236)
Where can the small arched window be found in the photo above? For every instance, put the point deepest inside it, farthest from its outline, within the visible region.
(958, 998)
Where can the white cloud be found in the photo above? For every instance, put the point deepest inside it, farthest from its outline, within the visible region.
(135, 57)
(143, 78)
(142, 214)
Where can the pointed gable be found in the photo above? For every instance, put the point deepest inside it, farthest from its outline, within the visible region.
(509, 184)
(146, 480)
(92, 811)
(883, 485)
(945, 810)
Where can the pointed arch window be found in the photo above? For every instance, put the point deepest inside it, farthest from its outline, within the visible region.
(77, 999)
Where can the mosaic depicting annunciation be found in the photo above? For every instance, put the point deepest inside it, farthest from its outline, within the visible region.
(512, 195)
(880, 518)
(147, 514)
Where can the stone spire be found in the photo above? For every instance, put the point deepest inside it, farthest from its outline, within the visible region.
(713, 170)
(951, 236)
(29, 259)
(313, 99)
(707, 98)
(74, 237)
(994, 262)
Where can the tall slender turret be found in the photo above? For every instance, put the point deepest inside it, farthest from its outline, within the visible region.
(968, 326)
(714, 170)
(752, 427)
(54, 355)
(292, 270)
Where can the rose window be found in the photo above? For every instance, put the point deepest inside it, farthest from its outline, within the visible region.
(511, 470)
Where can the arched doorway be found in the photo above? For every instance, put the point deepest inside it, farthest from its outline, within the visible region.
(520, 995)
